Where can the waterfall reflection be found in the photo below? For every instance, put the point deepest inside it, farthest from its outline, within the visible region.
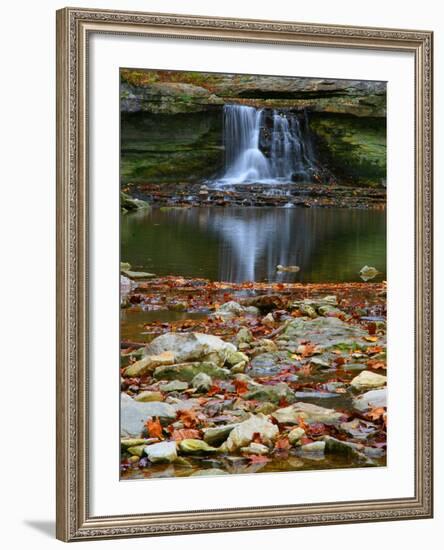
(246, 244)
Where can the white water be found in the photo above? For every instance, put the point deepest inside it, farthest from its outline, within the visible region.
(289, 155)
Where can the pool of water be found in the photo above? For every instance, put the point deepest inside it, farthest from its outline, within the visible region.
(238, 244)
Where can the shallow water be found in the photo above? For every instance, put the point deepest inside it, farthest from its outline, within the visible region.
(238, 244)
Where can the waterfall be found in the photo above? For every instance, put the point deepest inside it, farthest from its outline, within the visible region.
(256, 153)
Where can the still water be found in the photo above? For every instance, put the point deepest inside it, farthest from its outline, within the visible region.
(238, 244)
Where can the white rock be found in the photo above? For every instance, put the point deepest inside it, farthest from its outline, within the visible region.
(373, 399)
(161, 452)
(368, 380)
(315, 447)
(193, 346)
(202, 382)
(243, 433)
(308, 412)
(134, 414)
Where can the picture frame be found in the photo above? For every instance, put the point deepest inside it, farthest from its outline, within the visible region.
(75, 27)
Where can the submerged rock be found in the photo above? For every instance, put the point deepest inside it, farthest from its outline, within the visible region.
(161, 452)
(242, 435)
(308, 413)
(192, 346)
(368, 380)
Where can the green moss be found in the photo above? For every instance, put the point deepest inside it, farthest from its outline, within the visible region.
(353, 148)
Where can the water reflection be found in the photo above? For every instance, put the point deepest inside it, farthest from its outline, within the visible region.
(245, 244)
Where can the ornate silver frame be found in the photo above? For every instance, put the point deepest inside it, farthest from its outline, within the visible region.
(73, 519)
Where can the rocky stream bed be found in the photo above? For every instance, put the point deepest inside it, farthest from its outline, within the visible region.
(221, 378)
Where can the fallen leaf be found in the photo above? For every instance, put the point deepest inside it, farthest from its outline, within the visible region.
(241, 386)
(282, 444)
(188, 418)
(154, 428)
(376, 414)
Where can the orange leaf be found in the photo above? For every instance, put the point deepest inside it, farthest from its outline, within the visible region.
(188, 418)
(241, 386)
(213, 390)
(371, 338)
(376, 414)
(282, 444)
(154, 428)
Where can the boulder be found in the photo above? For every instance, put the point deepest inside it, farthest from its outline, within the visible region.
(148, 363)
(273, 394)
(229, 309)
(236, 357)
(367, 380)
(202, 382)
(324, 332)
(373, 399)
(307, 412)
(242, 435)
(217, 435)
(187, 371)
(295, 436)
(192, 346)
(162, 452)
(244, 336)
(134, 414)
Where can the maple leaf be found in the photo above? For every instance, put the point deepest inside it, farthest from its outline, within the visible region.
(241, 386)
(188, 418)
(373, 364)
(213, 390)
(154, 428)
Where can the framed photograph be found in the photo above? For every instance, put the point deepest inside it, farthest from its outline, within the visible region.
(244, 274)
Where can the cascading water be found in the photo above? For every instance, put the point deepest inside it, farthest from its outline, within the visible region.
(289, 153)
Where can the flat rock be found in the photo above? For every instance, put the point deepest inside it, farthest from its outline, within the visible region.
(148, 363)
(192, 346)
(134, 414)
(324, 332)
(372, 399)
(273, 394)
(161, 452)
(308, 412)
(187, 371)
(368, 380)
(242, 435)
